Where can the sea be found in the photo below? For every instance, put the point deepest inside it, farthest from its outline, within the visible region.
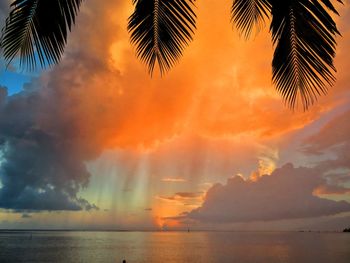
(177, 247)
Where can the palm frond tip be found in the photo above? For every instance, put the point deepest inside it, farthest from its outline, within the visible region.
(249, 14)
(304, 34)
(161, 29)
(37, 30)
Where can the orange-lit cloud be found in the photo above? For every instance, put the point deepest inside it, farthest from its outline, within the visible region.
(183, 197)
(173, 180)
(220, 88)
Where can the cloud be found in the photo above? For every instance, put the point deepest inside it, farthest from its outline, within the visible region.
(188, 195)
(332, 134)
(332, 190)
(278, 197)
(174, 180)
(286, 194)
(26, 216)
(184, 198)
(332, 144)
(4, 9)
(3, 94)
(40, 168)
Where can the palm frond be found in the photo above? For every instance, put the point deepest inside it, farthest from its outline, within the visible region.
(249, 14)
(161, 29)
(37, 30)
(303, 33)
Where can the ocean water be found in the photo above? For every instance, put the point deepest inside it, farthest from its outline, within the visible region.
(168, 247)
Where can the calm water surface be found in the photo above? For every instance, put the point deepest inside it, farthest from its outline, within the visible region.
(161, 247)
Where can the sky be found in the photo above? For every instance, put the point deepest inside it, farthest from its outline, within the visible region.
(96, 143)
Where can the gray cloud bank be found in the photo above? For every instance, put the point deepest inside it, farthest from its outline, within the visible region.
(286, 194)
(289, 192)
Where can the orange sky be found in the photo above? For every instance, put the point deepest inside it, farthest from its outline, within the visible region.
(149, 141)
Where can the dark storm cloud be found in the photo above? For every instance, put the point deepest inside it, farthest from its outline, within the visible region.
(286, 194)
(41, 169)
(45, 140)
(3, 94)
(4, 9)
(43, 148)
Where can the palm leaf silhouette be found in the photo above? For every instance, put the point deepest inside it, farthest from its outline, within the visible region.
(250, 14)
(161, 29)
(37, 29)
(303, 33)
